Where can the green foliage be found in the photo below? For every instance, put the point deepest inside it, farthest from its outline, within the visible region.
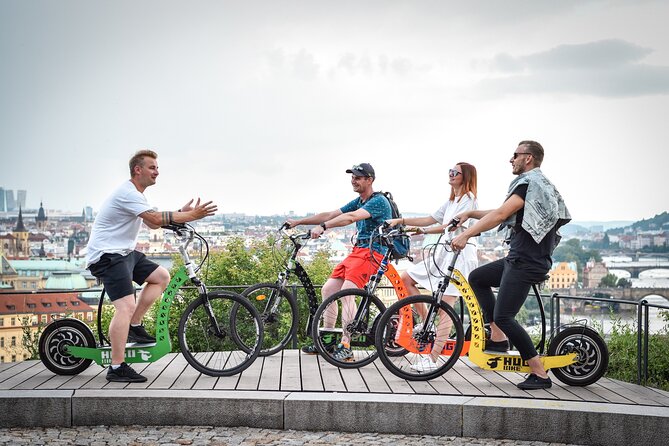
(622, 344)
(609, 281)
(30, 338)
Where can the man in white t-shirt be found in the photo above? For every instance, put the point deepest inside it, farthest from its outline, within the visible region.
(112, 258)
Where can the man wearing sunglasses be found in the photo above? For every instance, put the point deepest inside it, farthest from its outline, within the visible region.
(368, 211)
(532, 213)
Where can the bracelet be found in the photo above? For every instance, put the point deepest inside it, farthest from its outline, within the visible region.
(323, 226)
(402, 220)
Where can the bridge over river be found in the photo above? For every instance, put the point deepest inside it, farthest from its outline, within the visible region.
(634, 268)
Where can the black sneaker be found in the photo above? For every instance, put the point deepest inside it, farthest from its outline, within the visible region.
(497, 346)
(533, 382)
(124, 374)
(139, 335)
(310, 349)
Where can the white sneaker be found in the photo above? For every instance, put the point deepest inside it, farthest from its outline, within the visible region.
(424, 364)
(418, 327)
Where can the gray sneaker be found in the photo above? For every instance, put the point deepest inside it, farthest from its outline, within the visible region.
(342, 353)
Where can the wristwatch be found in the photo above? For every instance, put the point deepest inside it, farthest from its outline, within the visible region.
(323, 226)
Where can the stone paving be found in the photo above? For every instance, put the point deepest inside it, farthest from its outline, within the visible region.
(221, 436)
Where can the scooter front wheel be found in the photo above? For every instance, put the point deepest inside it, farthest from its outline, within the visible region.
(55, 340)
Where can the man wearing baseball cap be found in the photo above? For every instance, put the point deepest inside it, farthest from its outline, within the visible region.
(368, 211)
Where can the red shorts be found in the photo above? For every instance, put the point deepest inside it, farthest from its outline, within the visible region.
(358, 266)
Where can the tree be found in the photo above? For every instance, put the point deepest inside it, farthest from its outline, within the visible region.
(609, 281)
(624, 283)
(30, 338)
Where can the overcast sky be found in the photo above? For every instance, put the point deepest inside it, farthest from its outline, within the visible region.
(262, 106)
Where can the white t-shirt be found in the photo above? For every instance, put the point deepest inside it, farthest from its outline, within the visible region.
(427, 272)
(117, 225)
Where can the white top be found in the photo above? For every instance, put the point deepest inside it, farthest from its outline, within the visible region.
(426, 273)
(117, 225)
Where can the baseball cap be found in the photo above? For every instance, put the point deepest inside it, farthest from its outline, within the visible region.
(362, 170)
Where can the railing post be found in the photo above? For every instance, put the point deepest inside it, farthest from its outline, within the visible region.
(646, 333)
(294, 342)
(639, 343)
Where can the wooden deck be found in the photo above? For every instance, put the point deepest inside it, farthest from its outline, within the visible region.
(291, 371)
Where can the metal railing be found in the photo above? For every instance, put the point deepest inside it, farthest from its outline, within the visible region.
(642, 327)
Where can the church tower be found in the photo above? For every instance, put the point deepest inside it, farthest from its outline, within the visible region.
(21, 234)
(41, 218)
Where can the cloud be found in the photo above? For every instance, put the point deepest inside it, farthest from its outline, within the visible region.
(609, 68)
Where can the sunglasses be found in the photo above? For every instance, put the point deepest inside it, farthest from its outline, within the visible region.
(359, 168)
(515, 154)
(453, 173)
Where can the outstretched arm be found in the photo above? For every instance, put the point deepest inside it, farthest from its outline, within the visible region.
(488, 219)
(155, 219)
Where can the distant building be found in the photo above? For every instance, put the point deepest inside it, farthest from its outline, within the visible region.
(563, 275)
(18, 311)
(21, 196)
(593, 272)
(10, 203)
(3, 201)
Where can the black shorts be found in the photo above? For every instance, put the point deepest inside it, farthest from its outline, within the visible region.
(117, 272)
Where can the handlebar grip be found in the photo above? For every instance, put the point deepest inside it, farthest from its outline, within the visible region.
(175, 226)
(285, 225)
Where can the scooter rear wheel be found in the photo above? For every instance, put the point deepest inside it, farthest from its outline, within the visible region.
(593, 355)
(55, 339)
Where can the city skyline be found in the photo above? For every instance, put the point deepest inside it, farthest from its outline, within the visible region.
(262, 106)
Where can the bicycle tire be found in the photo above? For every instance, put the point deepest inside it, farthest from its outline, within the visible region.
(55, 339)
(593, 355)
(361, 339)
(279, 328)
(220, 354)
(416, 365)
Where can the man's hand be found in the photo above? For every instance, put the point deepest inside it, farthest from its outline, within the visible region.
(289, 224)
(459, 242)
(317, 231)
(200, 210)
(394, 221)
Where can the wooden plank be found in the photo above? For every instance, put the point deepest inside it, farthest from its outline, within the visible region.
(80, 380)
(250, 378)
(599, 389)
(11, 372)
(479, 381)
(55, 382)
(7, 365)
(460, 384)
(170, 374)
(374, 379)
(290, 370)
(36, 380)
(353, 380)
(311, 373)
(633, 392)
(270, 379)
(189, 375)
(332, 380)
(394, 383)
(23, 373)
(582, 393)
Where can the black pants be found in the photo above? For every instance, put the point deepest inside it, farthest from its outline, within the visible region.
(514, 280)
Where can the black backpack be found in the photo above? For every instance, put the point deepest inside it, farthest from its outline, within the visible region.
(401, 245)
